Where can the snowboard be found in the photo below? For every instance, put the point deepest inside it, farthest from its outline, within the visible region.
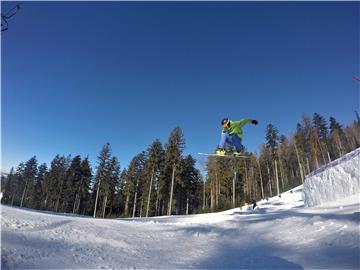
(225, 156)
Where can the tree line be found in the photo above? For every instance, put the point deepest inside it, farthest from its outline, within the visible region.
(162, 181)
(158, 181)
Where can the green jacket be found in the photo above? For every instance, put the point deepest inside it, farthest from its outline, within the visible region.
(236, 127)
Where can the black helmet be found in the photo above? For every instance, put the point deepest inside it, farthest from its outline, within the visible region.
(225, 121)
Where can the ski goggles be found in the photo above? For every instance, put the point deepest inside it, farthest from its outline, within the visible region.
(226, 124)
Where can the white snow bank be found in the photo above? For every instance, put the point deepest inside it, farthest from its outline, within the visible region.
(287, 200)
(278, 234)
(336, 180)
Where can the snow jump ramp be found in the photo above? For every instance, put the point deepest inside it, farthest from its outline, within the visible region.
(335, 180)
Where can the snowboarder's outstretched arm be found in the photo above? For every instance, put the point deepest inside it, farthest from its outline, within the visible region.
(245, 121)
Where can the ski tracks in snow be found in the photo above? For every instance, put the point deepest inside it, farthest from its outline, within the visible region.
(277, 235)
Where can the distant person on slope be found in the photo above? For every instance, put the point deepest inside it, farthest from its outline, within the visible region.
(232, 135)
(254, 203)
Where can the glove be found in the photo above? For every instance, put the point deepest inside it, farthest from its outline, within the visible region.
(254, 122)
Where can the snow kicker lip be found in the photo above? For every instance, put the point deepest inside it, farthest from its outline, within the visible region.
(340, 160)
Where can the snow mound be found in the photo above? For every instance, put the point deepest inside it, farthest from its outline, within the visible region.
(336, 180)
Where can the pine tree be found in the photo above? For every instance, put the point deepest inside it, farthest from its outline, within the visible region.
(83, 204)
(119, 197)
(2, 186)
(9, 189)
(135, 180)
(272, 139)
(19, 184)
(219, 184)
(38, 197)
(30, 172)
(154, 166)
(55, 183)
(337, 139)
(320, 122)
(285, 160)
(352, 134)
(213, 179)
(66, 191)
(334, 125)
(306, 136)
(72, 187)
(265, 161)
(114, 182)
(102, 179)
(321, 146)
(46, 188)
(188, 187)
(173, 152)
(303, 142)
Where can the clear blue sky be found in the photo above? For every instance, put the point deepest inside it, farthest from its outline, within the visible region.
(76, 75)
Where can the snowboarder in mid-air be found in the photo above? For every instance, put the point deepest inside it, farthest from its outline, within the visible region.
(232, 135)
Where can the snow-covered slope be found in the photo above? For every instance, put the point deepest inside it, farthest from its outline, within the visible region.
(336, 180)
(280, 234)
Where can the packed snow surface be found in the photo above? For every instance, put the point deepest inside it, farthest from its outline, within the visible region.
(279, 234)
(336, 180)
